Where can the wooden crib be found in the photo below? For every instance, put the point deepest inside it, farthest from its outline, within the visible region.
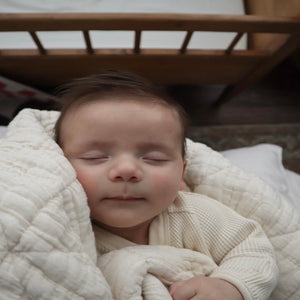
(272, 28)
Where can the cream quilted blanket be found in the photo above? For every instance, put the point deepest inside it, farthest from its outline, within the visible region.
(150, 269)
(47, 247)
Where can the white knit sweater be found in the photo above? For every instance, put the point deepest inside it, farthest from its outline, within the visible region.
(237, 245)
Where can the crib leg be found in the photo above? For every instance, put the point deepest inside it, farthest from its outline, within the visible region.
(228, 93)
(291, 44)
(231, 91)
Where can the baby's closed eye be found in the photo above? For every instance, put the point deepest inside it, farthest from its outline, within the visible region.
(155, 157)
(94, 157)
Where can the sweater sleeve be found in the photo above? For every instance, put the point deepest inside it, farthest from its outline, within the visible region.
(238, 245)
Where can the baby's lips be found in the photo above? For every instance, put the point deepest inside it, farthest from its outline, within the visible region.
(124, 198)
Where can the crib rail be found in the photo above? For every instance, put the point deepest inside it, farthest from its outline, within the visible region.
(149, 21)
(46, 67)
(138, 23)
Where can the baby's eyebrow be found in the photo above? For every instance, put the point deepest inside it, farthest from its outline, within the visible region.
(90, 144)
(160, 146)
(142, 147)
(97, 143)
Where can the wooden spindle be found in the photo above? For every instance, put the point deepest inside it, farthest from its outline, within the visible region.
(186, 42)
(37, 42)
(87, 39)
(137, 41)
(234, 42)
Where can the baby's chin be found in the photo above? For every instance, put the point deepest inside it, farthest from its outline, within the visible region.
(129, 223)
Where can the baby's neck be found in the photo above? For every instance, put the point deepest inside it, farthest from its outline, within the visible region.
(138, 234)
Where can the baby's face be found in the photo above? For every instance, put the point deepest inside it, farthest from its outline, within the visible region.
(128, 158)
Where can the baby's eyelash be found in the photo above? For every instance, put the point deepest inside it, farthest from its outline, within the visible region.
(96, 158)
(154, 160)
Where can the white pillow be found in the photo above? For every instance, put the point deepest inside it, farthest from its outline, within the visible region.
(265, 161)
(293, 192)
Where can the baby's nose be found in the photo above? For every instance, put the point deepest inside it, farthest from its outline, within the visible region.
(126, 169)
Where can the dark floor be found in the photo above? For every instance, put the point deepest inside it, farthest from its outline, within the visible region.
(273, 100)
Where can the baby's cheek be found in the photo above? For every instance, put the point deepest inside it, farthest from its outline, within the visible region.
(165, 181)
(87, 181)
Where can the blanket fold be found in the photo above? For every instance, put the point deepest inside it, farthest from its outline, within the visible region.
(144, 272)
(47, 246)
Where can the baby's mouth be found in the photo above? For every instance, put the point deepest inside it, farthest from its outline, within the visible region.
(127, 198)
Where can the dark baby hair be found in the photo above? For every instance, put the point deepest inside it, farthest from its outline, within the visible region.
(110, 84)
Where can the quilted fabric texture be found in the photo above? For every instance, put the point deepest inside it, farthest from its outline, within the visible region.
(209, 173)
(147, 272)
(47, 247)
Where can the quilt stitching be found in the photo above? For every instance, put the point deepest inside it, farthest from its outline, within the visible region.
(42, 273)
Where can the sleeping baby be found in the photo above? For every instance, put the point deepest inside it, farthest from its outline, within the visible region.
(126, 141)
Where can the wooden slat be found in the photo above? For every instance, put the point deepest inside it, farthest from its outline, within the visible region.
(213, 68)
(234, 42)
(137, 41)
(38, 43)
(110, 21)
(26, 53)
(88, 43)
(186, 42)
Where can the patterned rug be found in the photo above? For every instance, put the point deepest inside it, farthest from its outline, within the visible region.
(235, 136)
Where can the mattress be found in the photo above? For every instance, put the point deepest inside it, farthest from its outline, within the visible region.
(122, 39)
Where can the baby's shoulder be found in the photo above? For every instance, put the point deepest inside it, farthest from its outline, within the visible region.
(195, 203)
(191, 196)
(203, 207)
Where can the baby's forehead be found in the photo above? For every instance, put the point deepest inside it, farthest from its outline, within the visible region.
(87, 110)
(125, 100)
(124, 120)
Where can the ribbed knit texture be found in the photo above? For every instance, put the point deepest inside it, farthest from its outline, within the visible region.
(237, 245)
